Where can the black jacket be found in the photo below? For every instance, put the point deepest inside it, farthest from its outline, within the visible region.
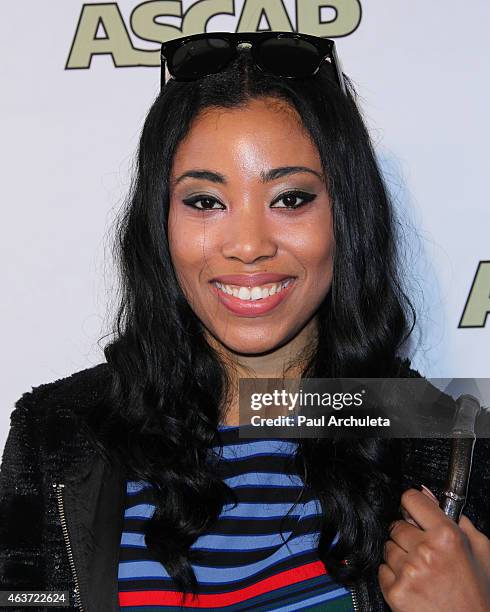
(62, 503)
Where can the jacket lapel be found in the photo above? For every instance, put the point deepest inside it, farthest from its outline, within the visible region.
(94, 502)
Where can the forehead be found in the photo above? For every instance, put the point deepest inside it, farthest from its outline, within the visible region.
(261, 133)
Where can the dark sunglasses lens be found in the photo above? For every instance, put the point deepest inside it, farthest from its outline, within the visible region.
(199, 57)
(289, 56)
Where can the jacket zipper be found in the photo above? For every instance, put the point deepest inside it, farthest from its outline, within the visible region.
(355, 601)
(61, 509)
(355, 598)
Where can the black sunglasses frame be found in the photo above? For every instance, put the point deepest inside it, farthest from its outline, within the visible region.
(325, 47)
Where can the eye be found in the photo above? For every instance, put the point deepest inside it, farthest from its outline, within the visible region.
(290, 200)
(207, 201)
(291, 196)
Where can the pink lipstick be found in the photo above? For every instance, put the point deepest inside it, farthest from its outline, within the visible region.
(258, 307)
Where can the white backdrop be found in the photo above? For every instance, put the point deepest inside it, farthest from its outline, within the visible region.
(69, 135)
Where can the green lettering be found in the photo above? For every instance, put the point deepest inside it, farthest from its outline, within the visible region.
(116, 41)
(478, 304)
(347, 18)
(144, 25)
(274, 12)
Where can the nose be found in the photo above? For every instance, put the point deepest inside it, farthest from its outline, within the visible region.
(248, 236)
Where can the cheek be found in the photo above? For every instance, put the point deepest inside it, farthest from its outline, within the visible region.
(190, 246)
(183, 249)
(316, 252)
(184, 239)
(319, 262)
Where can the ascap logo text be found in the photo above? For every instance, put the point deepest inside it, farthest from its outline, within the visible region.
(101, 28)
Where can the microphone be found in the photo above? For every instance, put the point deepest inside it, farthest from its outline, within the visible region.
(468, 397)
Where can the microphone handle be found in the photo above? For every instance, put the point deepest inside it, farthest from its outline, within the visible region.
(463, 442)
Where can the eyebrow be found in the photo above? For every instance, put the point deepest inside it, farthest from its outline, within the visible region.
(265, 177)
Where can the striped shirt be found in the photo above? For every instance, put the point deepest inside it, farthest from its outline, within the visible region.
(242, 563)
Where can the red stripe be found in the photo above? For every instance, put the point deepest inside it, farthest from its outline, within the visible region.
(173, 598)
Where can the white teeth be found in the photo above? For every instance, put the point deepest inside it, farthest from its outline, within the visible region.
(244, 293)
(255, 293)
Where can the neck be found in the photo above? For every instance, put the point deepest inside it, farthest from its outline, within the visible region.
(286, 361)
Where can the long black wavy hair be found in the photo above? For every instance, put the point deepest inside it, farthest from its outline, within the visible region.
(166, 398)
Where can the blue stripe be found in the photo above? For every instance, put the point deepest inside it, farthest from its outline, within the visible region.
(250, 449)
(134, 487)
(252, 511)
(218, 575)
(307, 603)
(221, 543)
(141, 511)
(241, 458)
(264, 480)
(259, 511)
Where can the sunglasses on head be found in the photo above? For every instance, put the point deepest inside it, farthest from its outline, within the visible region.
(285, 54)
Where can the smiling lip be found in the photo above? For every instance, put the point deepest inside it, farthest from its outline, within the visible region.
(253, 308)
(251, 280)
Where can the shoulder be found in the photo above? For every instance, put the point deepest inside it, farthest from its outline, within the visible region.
(50, 413)
(75, 391)
(49, 431)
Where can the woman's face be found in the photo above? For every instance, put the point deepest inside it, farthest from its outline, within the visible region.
(248, 197)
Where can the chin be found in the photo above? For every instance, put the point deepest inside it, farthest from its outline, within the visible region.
(251, 346)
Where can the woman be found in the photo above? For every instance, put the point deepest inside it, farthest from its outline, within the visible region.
(258, 241)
